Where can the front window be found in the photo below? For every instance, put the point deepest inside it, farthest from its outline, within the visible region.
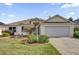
(13, 29)
(22, 28)
(10, 28)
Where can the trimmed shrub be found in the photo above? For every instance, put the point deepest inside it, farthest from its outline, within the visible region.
(6, 33)
(31, 38)
(76, 34)
(76, 29)
(43, 39)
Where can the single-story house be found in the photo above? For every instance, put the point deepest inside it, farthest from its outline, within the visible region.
(56, 26)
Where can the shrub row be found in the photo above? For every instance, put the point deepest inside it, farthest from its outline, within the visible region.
(6, 33)
(76, 29)
(32, 38)
(76, 34)
(41, 39)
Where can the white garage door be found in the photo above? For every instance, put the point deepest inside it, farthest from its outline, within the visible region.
(57, 31)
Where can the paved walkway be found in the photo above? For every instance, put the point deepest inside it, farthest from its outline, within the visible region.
(66, 46)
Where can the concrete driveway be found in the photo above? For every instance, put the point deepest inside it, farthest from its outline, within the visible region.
(66, 46)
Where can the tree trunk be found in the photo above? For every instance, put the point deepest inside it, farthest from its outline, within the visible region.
(37, 32)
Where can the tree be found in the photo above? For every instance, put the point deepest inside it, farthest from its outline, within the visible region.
(71, 19)
(29, 29)
(36, 24)
(49, 16)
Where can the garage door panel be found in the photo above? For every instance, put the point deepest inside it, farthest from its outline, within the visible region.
(57, 31)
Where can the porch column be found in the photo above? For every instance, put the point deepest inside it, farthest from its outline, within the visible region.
(42, 30)
(18, 30)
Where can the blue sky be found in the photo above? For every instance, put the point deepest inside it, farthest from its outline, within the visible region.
(12, 12)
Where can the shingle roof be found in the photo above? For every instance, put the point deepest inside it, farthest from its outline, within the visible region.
(1, 23)
(39, 19)
(36, 19)
(22, 22)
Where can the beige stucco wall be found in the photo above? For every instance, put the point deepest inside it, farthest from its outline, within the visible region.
(71, 30)
(2, 28)
(0, 32)
(18, 29)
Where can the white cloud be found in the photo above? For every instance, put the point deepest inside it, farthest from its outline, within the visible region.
(72, 13)
(65, 6)
(3, 14)
(9, 4)
(68, 16)
(28, 17)
(70, 5)
(11, 15)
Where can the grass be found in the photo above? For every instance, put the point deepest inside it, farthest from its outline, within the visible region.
(12, 46)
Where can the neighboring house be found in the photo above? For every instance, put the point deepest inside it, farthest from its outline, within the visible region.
(2, 27)
(56, 26)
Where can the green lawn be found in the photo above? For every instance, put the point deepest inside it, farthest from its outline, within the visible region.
(12, 46)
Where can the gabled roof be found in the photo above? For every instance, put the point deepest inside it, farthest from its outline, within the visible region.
(66, 20)
(43, 21)
(23, 21)
(1, 23)
(36, 19)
